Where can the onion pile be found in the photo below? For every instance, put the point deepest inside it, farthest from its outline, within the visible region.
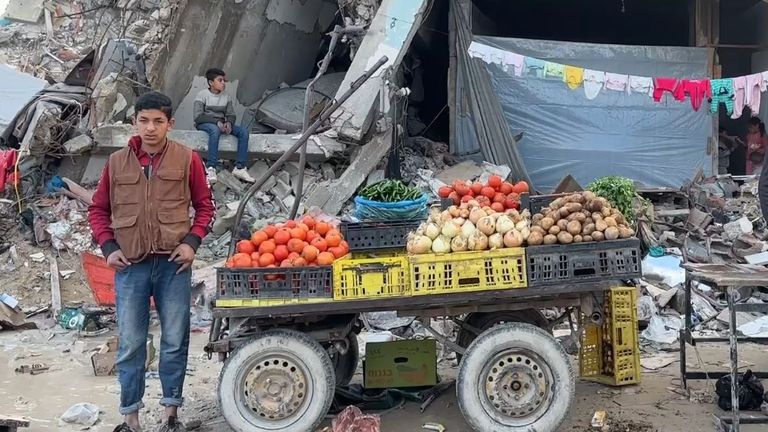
(578, 218)
(470, 227)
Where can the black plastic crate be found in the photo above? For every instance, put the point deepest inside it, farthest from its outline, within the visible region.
(583, 262)
(373, 235)
(275, 283)
(538, 202)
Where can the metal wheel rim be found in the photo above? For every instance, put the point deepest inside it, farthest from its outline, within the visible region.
(279, 402)
(516, 387)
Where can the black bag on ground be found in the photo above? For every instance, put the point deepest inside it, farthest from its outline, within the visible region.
(750, 391)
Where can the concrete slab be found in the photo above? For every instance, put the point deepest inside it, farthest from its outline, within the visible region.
(78, 145)
(390, 34)
(93, 170)
(467, 170)
(110, 138)
(332, 198)
(24, 10)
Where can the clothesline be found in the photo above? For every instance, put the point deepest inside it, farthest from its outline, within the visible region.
(733, 93)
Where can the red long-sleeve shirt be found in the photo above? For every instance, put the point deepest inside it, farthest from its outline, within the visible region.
(100, 212)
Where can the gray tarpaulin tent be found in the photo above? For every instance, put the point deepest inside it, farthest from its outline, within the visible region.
(658, 144)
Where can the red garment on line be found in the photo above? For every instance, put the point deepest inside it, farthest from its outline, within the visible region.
(697, 90)
(8, 168)
(661, 85)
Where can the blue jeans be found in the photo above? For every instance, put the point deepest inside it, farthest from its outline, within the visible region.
(155, 277)
(214, 134)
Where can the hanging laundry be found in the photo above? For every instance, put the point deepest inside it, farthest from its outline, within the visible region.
(765, 78)
(755, 86)
(514, 63)
(639, 84)
(554, 70)
(696, 90)
(478, 50)
(534, 67)
(616, 82)
(722, 92)
(593, 83)
(661, 85)
(739, 96)
(574, 76)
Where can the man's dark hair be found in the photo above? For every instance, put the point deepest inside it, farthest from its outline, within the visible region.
(155, 100)
(213, 73)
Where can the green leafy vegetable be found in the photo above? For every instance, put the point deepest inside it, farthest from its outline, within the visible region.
(390, 191)
(619, 191)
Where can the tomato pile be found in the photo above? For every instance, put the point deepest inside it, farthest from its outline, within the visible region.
(293, 244)
(496, 193)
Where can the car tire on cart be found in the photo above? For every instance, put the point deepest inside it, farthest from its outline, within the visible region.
(485, 320)
(345, 365)
(281, 380)
(515, 377)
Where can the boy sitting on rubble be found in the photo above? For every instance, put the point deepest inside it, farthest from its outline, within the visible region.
(215, 115)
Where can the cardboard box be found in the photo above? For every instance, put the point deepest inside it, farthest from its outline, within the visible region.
(410, 363)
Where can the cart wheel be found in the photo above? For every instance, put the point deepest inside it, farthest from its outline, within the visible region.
(345, 365)
(281, 380)
(485, 320)
(515, 377)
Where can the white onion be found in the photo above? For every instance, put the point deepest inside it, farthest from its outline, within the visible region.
(522, 225)
(459, 244)
(446, 216)
(496, 241)
(419, 245)
(468, 229)
(459, 221)
(432, 230)
(442, 244)
(454, 211)
(450, 229)
(476, 214)
(478, 241)
(513, 239)
(504, 224)
(486, 225)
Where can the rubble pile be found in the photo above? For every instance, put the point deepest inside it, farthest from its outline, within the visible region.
(50, 44)
(711, 220)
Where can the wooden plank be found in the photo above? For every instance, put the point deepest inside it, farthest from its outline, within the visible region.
(55, 287)
(111, 138)
(390, 34)
(416, 302)
(337, 192)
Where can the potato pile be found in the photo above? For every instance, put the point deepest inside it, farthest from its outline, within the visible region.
(578, 218)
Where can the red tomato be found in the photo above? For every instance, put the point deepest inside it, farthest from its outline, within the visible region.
(489, 192)
(455, 198)
(506, 188)
(467, 198)
(499, 198)
(444, 191)
(494, 181)
(498, 207)
(520, 187)
(477, 188)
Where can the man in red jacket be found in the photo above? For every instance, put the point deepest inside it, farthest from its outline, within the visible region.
(140, 218)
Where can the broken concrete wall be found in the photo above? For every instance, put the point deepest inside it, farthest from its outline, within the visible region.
(260, 43)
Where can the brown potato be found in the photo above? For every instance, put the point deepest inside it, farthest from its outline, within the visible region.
(564, 212)
(598, 236)
(611, 222)
(588, 229)
(588, 239)
(601, 226)
(563, 224)
(539, 230)
(537, 217)
(555, 230)
(535, 238)
(578, 238)
(574, 207)
(612, 233)
(547, 223)
(574, 227)
(606, 211)
(550, 239)
(565, 238)
(625, 232)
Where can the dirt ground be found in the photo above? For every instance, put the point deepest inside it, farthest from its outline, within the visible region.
(656, 405)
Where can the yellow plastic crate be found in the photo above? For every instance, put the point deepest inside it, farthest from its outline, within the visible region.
(468, 271)
(366, 275)
(255, 302)
(611, 354)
